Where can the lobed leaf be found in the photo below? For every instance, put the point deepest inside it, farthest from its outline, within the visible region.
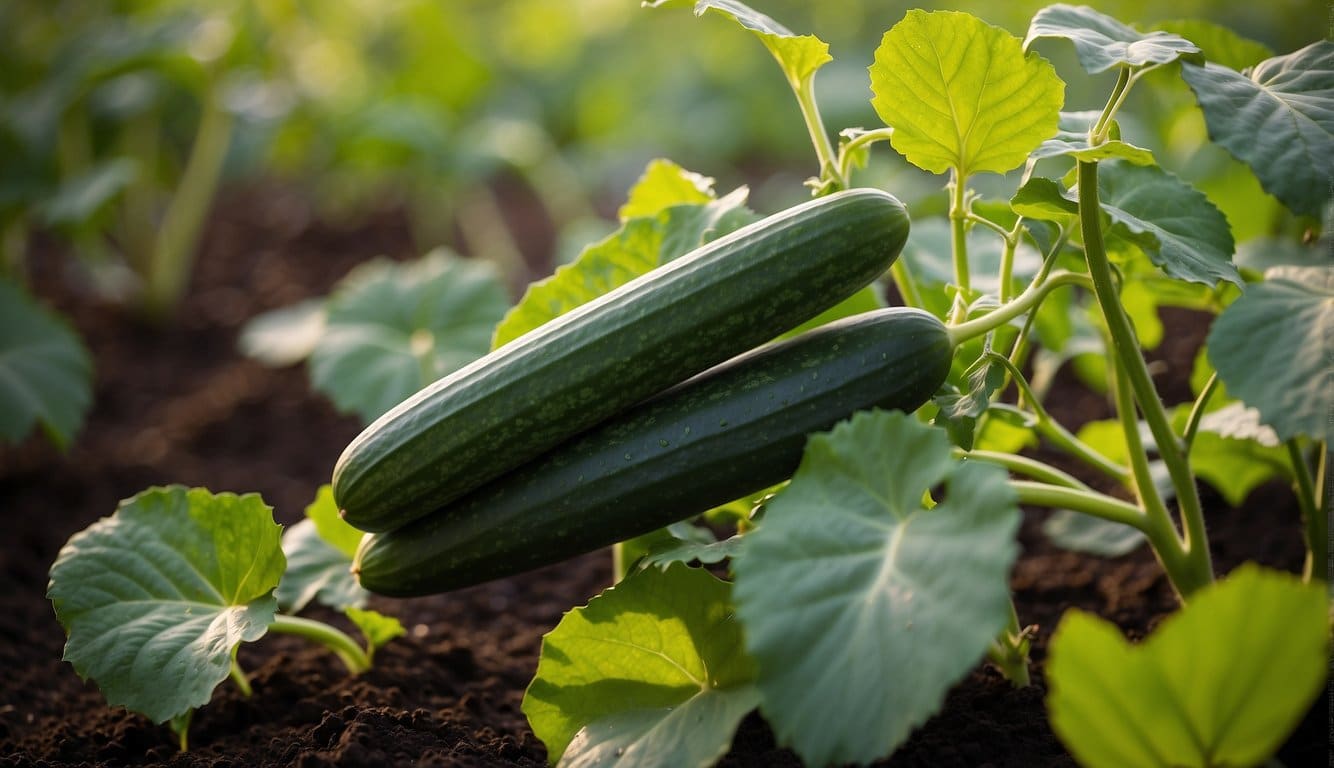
(960, 93)
(1287, 100)
(45, 372)
(861, 606)
(393, 328)
(652, 670)
(1221, 682)
(156, 597)
(1271, 348)
(798, 55)
(1102, 43)
(662, 185)
(377, 628)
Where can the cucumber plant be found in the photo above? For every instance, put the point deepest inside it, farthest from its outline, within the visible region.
(157, 598)
(875, 578)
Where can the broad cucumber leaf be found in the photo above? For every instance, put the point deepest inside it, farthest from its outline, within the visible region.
(377, 628)
(861, 606)
(1218, 43)
(1072, 140)
(634, 249)
(284, 336)
(319, 552)
(45, 372)
(1043, 198)
(798, 55)
(1271, 347)
(1101, 42)
(652, 671)
(1287, 100)
(1173, 223)
(662, 185)
(1221, 682)
(960, 93)
(156, 597)
(394, 328)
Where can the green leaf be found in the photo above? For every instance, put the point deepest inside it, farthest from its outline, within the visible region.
(284, 336)
(1271, 348)
(1043, 198)
(636, 247)
(393, 328)
(653, 666)
(960, 93)
(1085, 533)
(1287, 100)
(960, 409)
(1102, 42)
(319, 554)
(156, 597)
(377, 628)
(663, 185)
(798, 55)
(691, 550)
(81, 198)
(862, 607)
(1173, 223)
(1221, 682)
(1072, 140)
(45, 372)
(1218, 43)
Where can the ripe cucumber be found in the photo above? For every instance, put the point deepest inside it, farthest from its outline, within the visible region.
(729, 432)
(526, 397)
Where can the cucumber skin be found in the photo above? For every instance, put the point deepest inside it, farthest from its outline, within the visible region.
(528, 396)
(734, 430)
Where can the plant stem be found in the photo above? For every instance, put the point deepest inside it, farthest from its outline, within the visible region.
(1009, 651)
(173, 255)
(238, 676)
(1141, 476)
(1098, 133)
(1127, 349)
(343, 646)
(1197, 412)
(824, 149)
(1026, 466)
(959, 244)
(1315, 525)
(846, 153)
(907, 286)
(1030, 298)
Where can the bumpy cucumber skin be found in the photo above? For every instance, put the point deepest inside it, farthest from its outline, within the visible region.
(729, 432)
(593, 362)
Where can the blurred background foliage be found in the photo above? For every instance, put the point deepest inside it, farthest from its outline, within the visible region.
(117, 119)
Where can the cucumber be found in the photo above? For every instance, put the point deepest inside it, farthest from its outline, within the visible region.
(729, 432)
(655, 331)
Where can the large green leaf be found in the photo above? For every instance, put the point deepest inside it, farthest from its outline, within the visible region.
(393, 328)
(638, 246)
(1271, 347)
(798, 55)
(1221, 683)
(1278, 118)
(861, 606)
(662, 185)
(652, 671)
(319, 552)
(1218, 43)
(960, 93)
(156, 597)
(1172, 222)
(1072, 140)
(45, 372)
(1102, 42)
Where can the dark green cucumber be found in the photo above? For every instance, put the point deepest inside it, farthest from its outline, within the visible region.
(729, 432)
(593, 362)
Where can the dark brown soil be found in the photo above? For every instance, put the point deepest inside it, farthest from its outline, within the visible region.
(178, 404)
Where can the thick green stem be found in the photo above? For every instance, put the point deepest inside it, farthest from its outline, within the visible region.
(1127, 349)
(239, 677)
(958, 214)
(173, 256)
(1100, 130)
(1142, 477)
(1067, 442)
(849, 150)
(343, 646)
(1315, 525)
(898, 272)
(1025, 466)
(824, 149)
(1197, 412)
(1024, 302)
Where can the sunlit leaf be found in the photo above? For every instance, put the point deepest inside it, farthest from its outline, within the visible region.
(377, 628)
(1101, 42)
(1287, 100)
(861, 606)
(960, 93)
(393, 328)
(45, 372)
(662, 185)
(1271, 348)
(1221, 682)
(155, 597)
(799, 55)
(652, 672)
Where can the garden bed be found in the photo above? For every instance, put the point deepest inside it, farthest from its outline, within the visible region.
(179, 404)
